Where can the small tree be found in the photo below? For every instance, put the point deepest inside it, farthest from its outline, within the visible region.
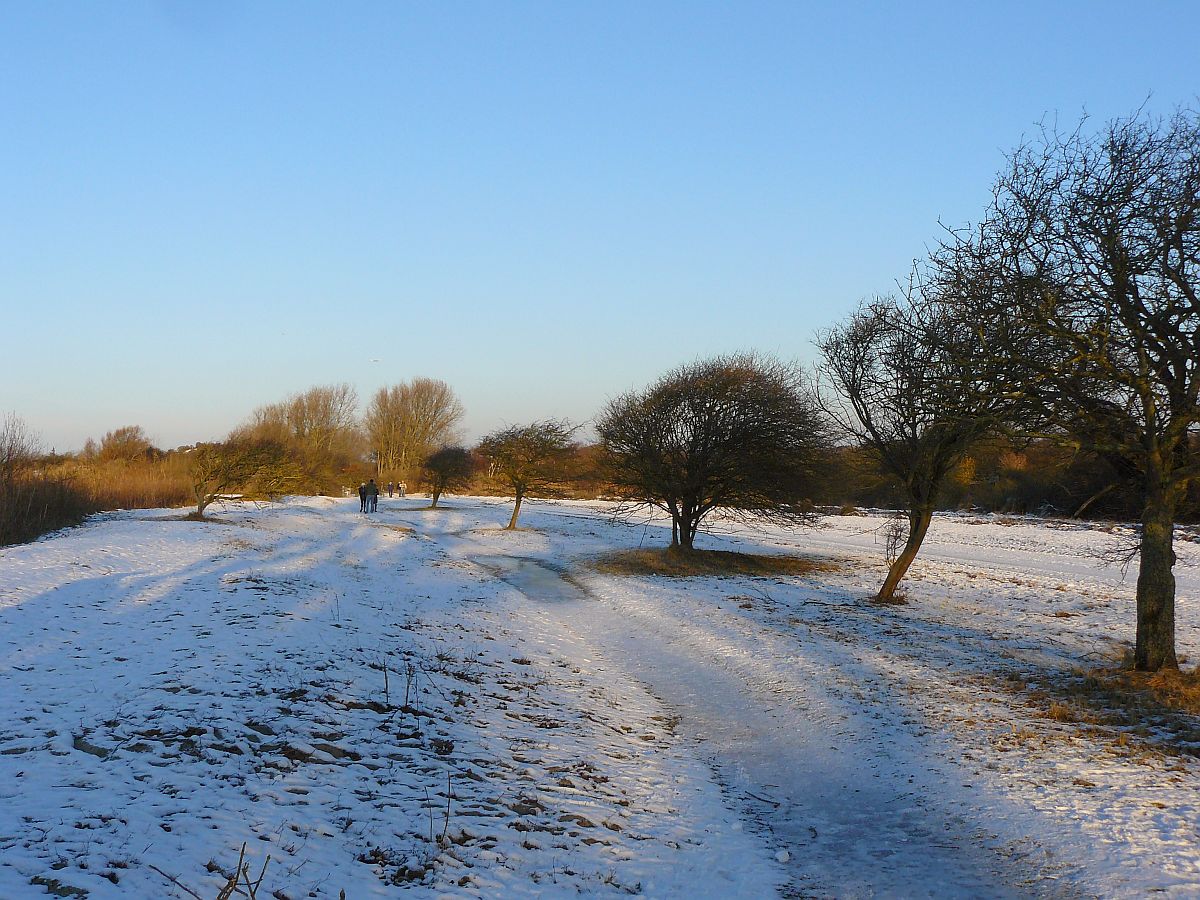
(740, 433)
(910, 385)
(446, 469)
(18, 449)
(528, 457)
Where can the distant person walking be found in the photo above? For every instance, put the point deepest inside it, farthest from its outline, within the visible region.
(372, 496)
(362, 497)
(400, 488)
(390, 486)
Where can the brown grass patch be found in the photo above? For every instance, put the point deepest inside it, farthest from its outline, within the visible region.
(1168, 689)
(193, 516)
(693, 563)
(1159, 709)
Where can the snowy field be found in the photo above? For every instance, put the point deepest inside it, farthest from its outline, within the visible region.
(420, 701)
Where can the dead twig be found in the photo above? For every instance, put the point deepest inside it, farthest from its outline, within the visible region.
(175, 881)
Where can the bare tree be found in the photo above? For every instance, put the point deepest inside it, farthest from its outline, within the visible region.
(911, 385)
(737, 433)
(323, 419)
(448, 468)
(407, 422)
(528, 457)
(1091, 250)
(18, 451)
(318, 427)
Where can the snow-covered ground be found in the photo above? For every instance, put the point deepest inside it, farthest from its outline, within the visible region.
(421, 700)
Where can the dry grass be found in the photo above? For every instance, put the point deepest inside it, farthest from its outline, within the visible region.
(136, 486)
(693, 563)
(1160, 709)
(1169, 689)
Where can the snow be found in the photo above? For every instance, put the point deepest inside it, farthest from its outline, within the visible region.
(422, 698)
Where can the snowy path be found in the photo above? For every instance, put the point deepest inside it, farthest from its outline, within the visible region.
(420, 699)
(903, 758)
(825, 782)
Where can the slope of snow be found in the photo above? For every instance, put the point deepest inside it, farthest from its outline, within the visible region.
(418, 698)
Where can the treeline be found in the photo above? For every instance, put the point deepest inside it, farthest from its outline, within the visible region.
(1017, 477)
(313, 442)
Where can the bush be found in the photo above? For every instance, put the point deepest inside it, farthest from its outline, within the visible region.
(31, 506)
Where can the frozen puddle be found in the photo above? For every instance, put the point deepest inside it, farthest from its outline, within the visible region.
(534, 579)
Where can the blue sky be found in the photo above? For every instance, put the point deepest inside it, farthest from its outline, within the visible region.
(209, 206)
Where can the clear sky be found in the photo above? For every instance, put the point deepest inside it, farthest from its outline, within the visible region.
(208, 206)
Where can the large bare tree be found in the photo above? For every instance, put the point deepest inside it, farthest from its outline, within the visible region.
(318, 427)
(406, 422)
(737, 433)
(910, 384)
(1091, 250)
(528, 457)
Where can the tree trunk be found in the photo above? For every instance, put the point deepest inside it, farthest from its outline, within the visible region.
(203, 499)
(687, 530)
(1155, 647)
(918, 527)
(512, 523)
(437, 492)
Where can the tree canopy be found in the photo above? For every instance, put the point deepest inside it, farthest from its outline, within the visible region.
(738, 433)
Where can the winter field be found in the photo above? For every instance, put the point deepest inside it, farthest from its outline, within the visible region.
(420, 701)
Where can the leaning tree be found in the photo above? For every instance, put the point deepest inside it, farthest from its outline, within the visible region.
(528, 457)
(737, 433)
(241, 465)
(1090, 250)
(906, 379)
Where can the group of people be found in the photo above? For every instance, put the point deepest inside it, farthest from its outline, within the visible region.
(368, 494)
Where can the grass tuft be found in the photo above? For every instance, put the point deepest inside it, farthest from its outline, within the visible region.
(675, 563)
